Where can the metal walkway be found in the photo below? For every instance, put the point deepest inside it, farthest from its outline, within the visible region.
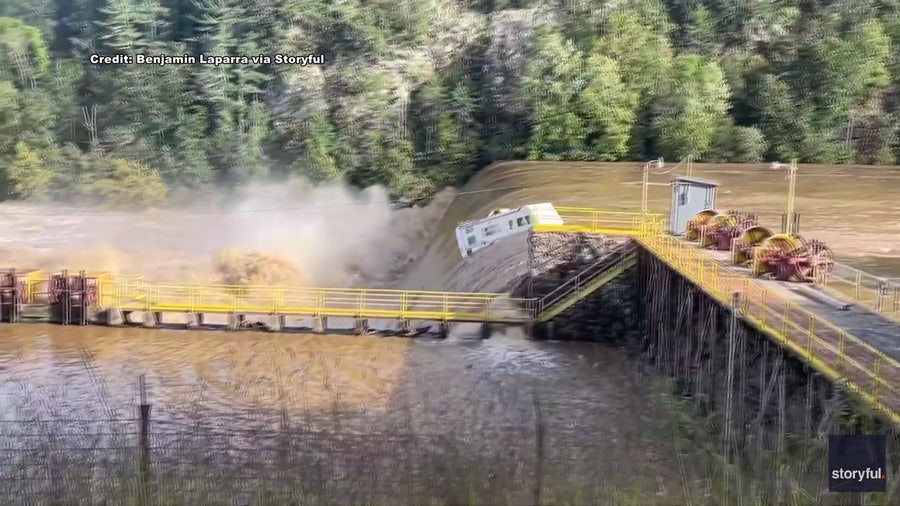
(859, 347)
(586, 282)
(813, 333)
(135, 294)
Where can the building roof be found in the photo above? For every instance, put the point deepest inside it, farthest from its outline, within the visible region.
(696, 180)
(544, 214)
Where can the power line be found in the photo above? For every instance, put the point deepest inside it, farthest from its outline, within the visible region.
(256, 211)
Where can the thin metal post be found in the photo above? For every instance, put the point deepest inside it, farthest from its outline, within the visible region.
(645, 187)
(82, 296)
(66, 298)
(792, 186)
(733, 326)
(645, 182)
(539, 449)
(144, 426)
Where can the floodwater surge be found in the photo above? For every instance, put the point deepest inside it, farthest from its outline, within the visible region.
(460, 417)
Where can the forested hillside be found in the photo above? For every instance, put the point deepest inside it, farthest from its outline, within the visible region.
(417, 94)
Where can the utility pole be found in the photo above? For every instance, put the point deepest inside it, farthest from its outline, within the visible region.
(645, 182)
(792, 188)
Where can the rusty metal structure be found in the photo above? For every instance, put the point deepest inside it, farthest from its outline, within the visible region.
(791, 258)
(743, 247)
(71, 299)
(14, 293)
(561, 255)
(720, 230)
(697, 224)
(785, 257)
(74, 296)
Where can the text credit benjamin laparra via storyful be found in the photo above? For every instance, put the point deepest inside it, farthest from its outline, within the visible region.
(206, 59)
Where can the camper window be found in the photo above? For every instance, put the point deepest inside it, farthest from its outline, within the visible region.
(521, 222)
(471, 240)
(528, 220)
(490, 230)
(511, 225)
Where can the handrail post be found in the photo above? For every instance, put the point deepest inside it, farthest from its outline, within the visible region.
(811, 334)
(877, 377)
(785, 316)
(841, 344)
(882, 291)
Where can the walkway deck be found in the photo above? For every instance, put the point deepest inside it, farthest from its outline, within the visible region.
(857, 347)
(809, 329)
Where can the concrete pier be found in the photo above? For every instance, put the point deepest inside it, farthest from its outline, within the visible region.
(236, 321)
(114, 317)
(194, 320)
(275, 323)
(362, 326)
(320, 324)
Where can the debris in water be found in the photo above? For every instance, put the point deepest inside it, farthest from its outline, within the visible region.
(238, 267)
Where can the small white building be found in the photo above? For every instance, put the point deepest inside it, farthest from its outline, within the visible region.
(474, 235)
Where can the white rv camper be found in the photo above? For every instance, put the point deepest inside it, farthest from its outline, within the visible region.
(474, 235)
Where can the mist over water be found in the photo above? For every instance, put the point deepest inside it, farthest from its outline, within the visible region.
(332, 234)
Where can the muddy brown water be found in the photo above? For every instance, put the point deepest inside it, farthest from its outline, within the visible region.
(589, 392)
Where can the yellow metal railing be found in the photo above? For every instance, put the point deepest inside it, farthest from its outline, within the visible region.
(830, 349)
(589, 220)
(872, 292)
(34, 281)
(446, 306)
(580, 286)
(120, 287)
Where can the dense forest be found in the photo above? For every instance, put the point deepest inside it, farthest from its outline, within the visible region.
(420, 94)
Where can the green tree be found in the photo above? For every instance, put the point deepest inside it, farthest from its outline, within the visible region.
(9, 117)
(847, 71)
(640, 46)
(29, 176)
(233, 92)
(24, 57)
(641, 50)
(318, 162)
(696, 104)
(583, 110)
(122, 183)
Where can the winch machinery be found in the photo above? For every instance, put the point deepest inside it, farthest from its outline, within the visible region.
(785, 257)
